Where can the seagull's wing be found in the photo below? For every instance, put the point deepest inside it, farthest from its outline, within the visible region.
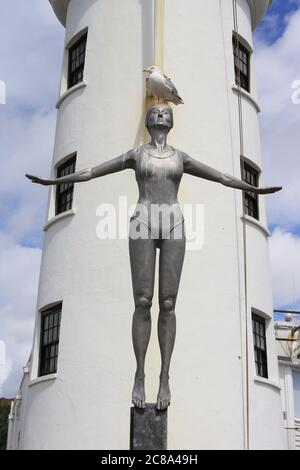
(171, 87)
(172, 90)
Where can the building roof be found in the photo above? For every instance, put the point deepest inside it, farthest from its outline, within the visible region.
(60, 9)
(258, 9)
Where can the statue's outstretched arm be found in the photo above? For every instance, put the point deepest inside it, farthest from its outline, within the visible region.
(196, 168)
(112, 166)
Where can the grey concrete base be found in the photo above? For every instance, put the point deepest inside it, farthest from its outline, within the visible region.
(148, 428)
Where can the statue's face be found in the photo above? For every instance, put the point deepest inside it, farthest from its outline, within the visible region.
(160, 117)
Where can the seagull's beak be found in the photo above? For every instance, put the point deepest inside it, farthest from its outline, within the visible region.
(146, 69)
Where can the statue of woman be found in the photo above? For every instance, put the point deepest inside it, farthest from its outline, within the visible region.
(157, 223)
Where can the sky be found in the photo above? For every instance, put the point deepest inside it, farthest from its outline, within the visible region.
(30, 65)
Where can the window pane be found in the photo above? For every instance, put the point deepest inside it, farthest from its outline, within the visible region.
(45, 340)
(55, 334)
(296, 381)
(52, 351)
(50, 337)
(51, 369)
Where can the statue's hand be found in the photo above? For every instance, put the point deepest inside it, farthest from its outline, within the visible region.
(37, 180)
(269, 190)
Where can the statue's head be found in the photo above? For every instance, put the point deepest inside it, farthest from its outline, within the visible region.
(160, 116)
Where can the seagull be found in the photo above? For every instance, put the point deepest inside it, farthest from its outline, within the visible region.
(162, 87)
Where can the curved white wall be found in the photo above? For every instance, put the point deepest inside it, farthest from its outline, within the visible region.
(258, 9)
(89, 400)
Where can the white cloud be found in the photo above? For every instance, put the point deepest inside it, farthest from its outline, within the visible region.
(277, 68)
(30, 68)
(285, 256)
(5, 370)
(19, 271)
(27, 148)
(33, 42)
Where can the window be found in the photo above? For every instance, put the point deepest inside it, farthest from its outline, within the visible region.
(50, 326)
(76, 61)
(296, 383)
(241, 64)
(251, 200)
(64, 192)
(260, 345)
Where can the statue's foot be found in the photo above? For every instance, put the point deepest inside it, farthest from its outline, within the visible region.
(164, 394)
(138, 393)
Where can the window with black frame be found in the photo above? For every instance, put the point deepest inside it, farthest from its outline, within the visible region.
(251, 200)
(64, 192)
(241, 64)
(260, 345)
(77, 61)
(49, 343)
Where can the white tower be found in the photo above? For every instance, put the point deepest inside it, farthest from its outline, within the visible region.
(220, 397)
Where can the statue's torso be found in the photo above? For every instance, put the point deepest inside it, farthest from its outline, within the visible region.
(158, 180)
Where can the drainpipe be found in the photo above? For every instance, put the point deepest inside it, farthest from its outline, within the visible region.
(159, 22)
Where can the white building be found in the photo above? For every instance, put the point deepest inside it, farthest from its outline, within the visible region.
(219, 397)
(288, 350)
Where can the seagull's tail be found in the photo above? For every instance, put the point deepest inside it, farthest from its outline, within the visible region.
(178, 100)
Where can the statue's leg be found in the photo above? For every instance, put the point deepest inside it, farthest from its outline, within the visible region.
(142, 259)
(170, 266)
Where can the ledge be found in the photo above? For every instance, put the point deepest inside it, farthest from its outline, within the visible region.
(69, 92)
(257, 224)
(262, 314)
(294, 364)
(248, 97)
(268, 382)
(59, 217)
(251, 163)
(46, 378)
(287, 362)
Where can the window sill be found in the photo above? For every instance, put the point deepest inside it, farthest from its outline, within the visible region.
(59, 217)
(69, 92)
(46, 378)
(268, 382)
(248, 96)
(256, 223)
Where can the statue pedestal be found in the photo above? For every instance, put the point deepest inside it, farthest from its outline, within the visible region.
(148, 428)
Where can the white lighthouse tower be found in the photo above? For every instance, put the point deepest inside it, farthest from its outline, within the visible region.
(76, 391)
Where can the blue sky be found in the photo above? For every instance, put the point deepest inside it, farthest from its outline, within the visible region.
(31, 47)
(33, 41)
(277, 54)
(276, 36)
(274, 24)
